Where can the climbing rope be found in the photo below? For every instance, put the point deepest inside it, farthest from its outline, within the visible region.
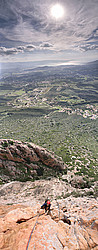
(32, 232)
(27, 247)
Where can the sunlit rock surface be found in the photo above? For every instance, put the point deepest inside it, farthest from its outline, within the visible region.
(50, 232)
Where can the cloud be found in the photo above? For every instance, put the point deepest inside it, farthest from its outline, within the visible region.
(7, 51)
(86, 47)
(19, 49)
(22, 49)
(27, 26)
(46, 46)
(30, 47)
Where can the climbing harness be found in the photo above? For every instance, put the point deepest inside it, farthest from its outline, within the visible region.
(32, 232)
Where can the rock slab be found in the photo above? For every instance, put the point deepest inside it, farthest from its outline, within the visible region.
(50, 232)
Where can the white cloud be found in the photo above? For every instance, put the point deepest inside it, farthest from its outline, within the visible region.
(86, 47)
(7, 51)
(27, 48)
(29, 24)
(46, 46)
(19, 49)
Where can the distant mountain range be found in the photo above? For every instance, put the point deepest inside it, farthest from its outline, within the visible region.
(44, 65)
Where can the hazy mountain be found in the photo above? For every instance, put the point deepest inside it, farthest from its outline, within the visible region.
(48, 65)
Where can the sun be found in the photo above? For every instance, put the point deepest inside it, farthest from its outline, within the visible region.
(57, 11)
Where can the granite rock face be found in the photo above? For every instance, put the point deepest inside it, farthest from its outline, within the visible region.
(23, 160)
(50, 232)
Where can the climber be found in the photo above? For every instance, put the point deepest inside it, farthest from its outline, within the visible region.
(46, 205)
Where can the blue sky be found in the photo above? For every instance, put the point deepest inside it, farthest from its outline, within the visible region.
(29, 32)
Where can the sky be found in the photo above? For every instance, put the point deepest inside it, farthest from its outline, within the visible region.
(33, 30)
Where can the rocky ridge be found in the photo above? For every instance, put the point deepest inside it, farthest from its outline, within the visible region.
(27, 161)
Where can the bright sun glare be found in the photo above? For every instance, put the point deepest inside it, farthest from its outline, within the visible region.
(57, 11)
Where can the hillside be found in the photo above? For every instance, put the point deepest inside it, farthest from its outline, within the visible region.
(49, 148)
(55, 108)
(29, 162)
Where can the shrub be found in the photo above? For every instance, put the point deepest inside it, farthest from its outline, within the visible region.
(89, 193)
(76, 194)
(11, 142)
(28, 160)
(5, 144)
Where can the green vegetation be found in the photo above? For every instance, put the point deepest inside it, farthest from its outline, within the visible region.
(5, 144)
(1, 182)
(56, 111)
